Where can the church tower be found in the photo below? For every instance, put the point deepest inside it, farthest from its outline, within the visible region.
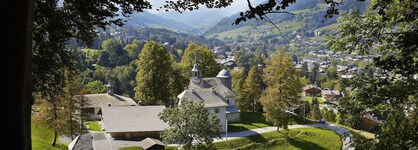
(195, 71)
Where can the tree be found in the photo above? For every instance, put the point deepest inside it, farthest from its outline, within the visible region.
(251, 91)
(331, 72)
(305, 69)
(204, 58)
(117, 56)
(283, 89)
(59, 112)
(134, 49)
(95, 87)
(314, 74)
(190, 122)
(315, 112)
(153, 74)
(177, 80)
(387, 28)
(238, 79)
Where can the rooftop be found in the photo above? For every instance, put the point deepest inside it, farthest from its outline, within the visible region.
(133, 119)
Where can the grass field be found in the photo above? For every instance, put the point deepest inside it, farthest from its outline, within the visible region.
(309, 99)
(138, 148)
(253, 120)
(303, 138)
(42, 139)
(93, 126)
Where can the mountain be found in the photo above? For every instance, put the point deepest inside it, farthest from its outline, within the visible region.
(146, 19)
(308, 16)
(203, 18)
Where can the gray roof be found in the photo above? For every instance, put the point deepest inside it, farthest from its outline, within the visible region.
(232, 109)
(215, 83)
(224, 74)
(149, 142)
(133, 119)
(209, 97)
(102, 100)
(330, 92)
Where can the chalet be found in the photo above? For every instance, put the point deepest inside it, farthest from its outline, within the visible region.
(330, 95)
(312, 90)
(215, 93)
(96, 101)
(131, 122)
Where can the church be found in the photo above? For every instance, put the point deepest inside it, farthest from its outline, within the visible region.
(215, 93)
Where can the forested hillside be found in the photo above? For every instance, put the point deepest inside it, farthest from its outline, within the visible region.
(303, 19)
(113, 55)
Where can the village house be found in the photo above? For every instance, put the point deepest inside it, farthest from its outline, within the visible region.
(132, 122)
(311, 90)
(96, 101)
(331, 95)
(215, 93)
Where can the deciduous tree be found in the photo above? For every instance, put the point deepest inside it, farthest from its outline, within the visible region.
(190, 122)
(153, 75)
(204, 58)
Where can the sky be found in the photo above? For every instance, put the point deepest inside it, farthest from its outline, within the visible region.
(203, 16)
(236, 6)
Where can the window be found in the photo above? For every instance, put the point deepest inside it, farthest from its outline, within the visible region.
(216, 110)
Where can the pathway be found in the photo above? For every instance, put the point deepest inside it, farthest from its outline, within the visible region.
(101, 140)
(347, 138)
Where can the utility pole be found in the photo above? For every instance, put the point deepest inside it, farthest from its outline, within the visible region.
(226, 133)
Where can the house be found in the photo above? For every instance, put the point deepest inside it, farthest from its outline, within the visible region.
(312, 90)
(215, 93)
(96, 101)
(331, 94)
(151, 144)
(132, 122)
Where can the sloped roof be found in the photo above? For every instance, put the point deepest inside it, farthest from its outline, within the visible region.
(149, 142)
(215, 83)
(133, 119)
(207, 96)
(102, 100)
(330, 92)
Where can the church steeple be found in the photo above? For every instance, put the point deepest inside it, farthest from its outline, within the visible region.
(195, 70)
(109, 88)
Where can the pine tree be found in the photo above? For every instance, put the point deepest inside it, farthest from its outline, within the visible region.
(251, 91)
(283, 90)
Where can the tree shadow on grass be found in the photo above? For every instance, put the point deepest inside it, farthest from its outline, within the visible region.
(256, 138)
(302, 144)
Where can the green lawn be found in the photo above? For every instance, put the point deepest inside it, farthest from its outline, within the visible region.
(42, 139)
(309, 99)
(138, 148)
(253, 120)
(358, 132)
(94, 126)
(303, 138)
(249, 120)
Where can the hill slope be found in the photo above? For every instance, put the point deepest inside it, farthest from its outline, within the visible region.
(146, 19)
(308, 16)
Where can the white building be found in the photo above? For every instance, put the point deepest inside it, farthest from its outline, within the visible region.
(215, 93)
